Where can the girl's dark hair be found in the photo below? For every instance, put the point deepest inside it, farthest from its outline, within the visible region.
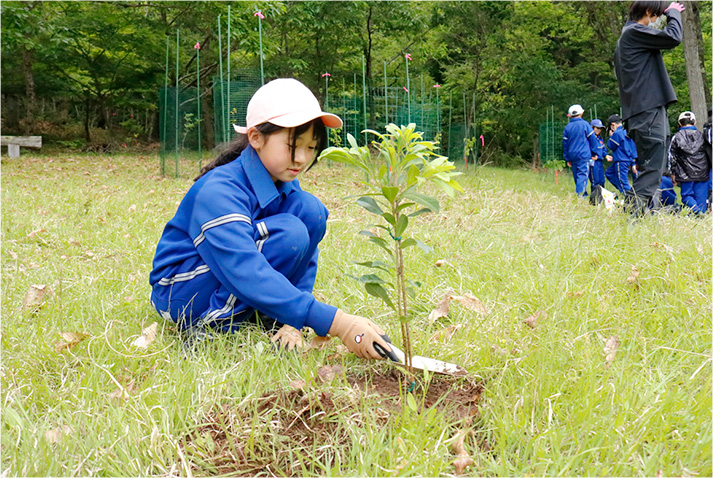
(233, 150)
(637, 10)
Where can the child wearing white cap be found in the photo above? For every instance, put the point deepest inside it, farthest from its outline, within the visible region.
(579, 146)
(244, 240)
(690, 163)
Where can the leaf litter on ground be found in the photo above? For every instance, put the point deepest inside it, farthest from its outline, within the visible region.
(610, 349)
(532, 320)
(148, 335)
(36, 296)
(70, 339)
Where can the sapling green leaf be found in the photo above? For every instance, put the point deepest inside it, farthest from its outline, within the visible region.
(427, 201)
(370, 205)
(376, 265)
(378, 291)
(399, 162)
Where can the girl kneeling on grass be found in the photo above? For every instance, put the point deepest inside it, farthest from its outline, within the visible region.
(244, 238)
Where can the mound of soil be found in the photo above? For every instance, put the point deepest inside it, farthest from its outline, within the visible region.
(457, 398)
(272, 434)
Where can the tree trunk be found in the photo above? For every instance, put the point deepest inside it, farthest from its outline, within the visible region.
(367, 61)
(31, 106)
(87, 136)
(696, 86)
(207, 123)
(695, 9)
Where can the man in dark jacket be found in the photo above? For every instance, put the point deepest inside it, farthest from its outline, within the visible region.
(690, 163)
(645, 91)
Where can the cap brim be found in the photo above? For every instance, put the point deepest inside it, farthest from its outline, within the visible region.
(293, 120)
(240, 129)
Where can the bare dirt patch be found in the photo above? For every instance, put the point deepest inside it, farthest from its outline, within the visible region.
(298, 431)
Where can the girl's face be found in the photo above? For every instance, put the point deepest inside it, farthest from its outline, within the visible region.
(275, 152)
(597, 130)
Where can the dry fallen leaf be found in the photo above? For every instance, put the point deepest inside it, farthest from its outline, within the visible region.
(36, 231)
(35, 297)
(298, 384)
(317, 342)
(70, 339)
(329, 372)
(634, 276)
(124, 392)
(471, 302)
(441, 262)
(658, 245)
(54, 435)
(532, 320)
(445, 334)
(610, 348)
(148, 335)
(441, 309)
(132, 208)
(342, 350)
(464, 460)
(12, 255)
(576, 295)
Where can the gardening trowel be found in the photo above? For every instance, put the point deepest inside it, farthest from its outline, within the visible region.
(422, 363)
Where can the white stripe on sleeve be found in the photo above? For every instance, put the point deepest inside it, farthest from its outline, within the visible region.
(219, 221)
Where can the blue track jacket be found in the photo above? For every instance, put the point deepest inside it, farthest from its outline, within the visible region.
(215, 222)
(623, 147)
(601, 150)
(578, 141)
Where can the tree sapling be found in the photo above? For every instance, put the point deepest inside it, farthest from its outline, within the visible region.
(399, 163)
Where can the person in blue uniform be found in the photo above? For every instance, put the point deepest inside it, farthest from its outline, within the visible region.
(690, 163)
(579, 146)
(645, 91)
(596, 166)
(623, 155)
(244, 240)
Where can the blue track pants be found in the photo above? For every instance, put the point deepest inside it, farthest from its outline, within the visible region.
(618, 175)
(288, 240)
(694, 194)
(580, 172)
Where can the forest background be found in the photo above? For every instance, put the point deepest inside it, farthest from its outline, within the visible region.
(88, 73)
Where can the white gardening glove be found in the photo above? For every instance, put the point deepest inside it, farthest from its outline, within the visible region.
(359, 334)
(288, 338)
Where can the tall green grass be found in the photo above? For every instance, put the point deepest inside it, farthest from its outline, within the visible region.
(87, 226)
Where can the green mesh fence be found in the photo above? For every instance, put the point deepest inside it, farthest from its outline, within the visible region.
(230, 102)
(178, 124)
(550, 140)
(383, 104)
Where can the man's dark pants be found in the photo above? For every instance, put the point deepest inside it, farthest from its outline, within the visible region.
(649, 130)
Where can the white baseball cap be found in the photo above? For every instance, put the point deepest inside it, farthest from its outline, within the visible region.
(575, 110)
(285, 102)
(687, 114)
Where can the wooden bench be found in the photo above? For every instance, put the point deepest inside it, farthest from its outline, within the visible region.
(13, 143)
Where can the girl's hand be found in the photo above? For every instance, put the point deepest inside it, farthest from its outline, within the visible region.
(288, 338)
(358, 335)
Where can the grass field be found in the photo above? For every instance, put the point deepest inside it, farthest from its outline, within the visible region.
(554, 401)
